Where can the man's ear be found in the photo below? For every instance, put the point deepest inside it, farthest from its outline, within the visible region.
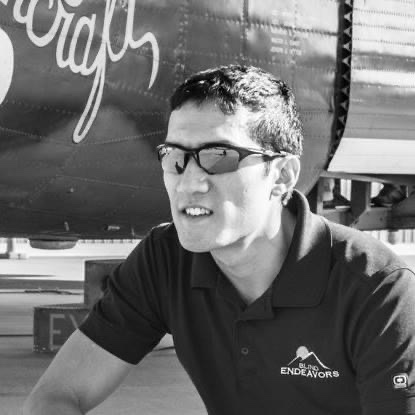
(287, 171)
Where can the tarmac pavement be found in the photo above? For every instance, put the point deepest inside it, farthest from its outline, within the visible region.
(157, 386)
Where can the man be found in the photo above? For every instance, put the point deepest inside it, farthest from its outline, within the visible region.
(273, 310)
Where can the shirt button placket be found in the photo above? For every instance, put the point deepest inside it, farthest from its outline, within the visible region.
(245, 355)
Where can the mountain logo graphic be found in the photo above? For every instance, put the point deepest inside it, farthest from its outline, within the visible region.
(307, 364)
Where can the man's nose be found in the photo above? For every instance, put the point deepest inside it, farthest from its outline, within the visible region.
(194, 179)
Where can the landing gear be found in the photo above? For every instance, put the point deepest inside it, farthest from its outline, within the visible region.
(392, 208)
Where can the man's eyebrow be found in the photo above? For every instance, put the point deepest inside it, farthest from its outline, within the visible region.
(173, 143)
(218, 142)
(225, 141)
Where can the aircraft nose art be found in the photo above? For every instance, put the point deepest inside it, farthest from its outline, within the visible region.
(87, 99)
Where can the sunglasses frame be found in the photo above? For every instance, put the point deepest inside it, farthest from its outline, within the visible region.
(243, 152)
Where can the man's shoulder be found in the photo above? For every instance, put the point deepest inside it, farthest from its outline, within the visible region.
(158, 240)
(362, 254)
(164, 232)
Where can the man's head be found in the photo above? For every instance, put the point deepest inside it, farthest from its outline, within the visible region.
(275, 124)
(215, 201)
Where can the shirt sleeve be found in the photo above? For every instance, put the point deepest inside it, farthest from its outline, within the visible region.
(383, 346)
(128, 320)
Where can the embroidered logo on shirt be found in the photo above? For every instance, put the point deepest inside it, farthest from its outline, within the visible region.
(307, 364)
(400, 381)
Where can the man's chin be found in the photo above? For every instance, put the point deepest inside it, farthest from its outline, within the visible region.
(195, 243)
(195, 246)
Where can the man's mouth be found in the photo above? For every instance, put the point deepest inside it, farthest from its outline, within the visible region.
(197, 211)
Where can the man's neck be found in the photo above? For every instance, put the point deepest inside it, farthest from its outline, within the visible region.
(252, 269)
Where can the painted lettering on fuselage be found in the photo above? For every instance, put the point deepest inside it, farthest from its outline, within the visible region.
(59, 30)
(6, 64)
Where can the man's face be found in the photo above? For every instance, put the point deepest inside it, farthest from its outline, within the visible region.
(215, 211)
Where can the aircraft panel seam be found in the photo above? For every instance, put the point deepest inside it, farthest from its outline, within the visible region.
(384, 12)
(45, 108)
(112, 141)
(394, 128)
(244, 29)
(366, 114)
(75, 113)
(375, 26)
(386, 42)
(24, 133)
(316, 135)
(378, 130)
(136, 90)
(384, 68)
(201, 16)
(324, 33)
(92, 218)
(47, 139)
(259, 23)
(43, 184)
(180, 55)
(410, 2)
(294, 55)
(128, 138)
(317, 111)
(382, 86)
(381, 58)
(152, 8)
(107, 182)
(205, 15)
(133, 196)
(39, 107)
(144, 93)
(280, 63)
(216, 18)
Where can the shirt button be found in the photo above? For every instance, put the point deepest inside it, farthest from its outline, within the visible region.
(245, 351)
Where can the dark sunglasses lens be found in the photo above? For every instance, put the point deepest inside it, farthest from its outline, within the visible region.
(217, 160)
(172, 159)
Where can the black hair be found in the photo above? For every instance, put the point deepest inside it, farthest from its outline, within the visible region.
(277, 126)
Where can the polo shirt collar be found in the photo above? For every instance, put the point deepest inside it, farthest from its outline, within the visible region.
(205, 271)
(303, 277)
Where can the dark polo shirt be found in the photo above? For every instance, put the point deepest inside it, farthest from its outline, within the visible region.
(334, 334)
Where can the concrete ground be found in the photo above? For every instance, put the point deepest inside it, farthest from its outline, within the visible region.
(157, 386)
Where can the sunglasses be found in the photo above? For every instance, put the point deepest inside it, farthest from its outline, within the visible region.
(213, 158)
